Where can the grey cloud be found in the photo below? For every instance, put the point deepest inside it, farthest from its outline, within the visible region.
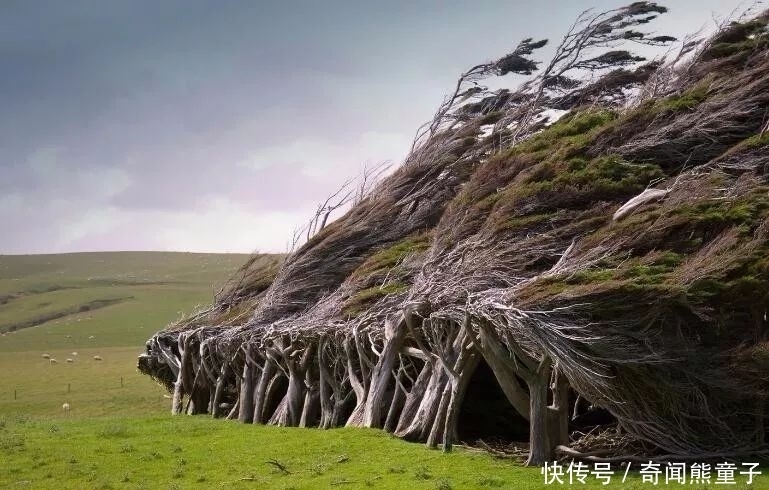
(146, 108)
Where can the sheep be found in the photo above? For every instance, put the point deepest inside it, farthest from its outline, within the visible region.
(74, 354)
(97, 358)
(70, 360)
(46, 356)
(91, 337)
(65, 407)
(52, 360)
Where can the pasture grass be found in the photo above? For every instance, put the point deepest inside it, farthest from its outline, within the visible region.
(164, 452)
(110, 387)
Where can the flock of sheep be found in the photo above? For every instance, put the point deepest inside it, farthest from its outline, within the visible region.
(66, 407)
(69, 359)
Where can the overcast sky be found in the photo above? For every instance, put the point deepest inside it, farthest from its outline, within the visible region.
(213, 125)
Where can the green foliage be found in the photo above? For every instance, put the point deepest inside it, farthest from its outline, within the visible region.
(686, 100)
(738, 39)
(367, 297)
(571, 184)
(572, 130)
(526, 221)
(391, 256)
(610, 176)
(756, 141)
(651, 269)
(746, 211)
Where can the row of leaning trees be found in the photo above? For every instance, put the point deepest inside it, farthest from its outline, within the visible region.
(384, 315)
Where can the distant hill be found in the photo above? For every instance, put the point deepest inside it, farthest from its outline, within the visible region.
(116, 297)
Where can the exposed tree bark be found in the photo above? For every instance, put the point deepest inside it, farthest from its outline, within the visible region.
(260, 395)
(358, 386)
(182, 383)
(221, 382)
(246, 413)
(294, 396)
(311, 400)
(438, 425)
(382, 373)
(422, 421)
(396, 405)
(414, 397)
(540, 448)
(176, 400)
(272, 395)
(458, 390)
(558, 412)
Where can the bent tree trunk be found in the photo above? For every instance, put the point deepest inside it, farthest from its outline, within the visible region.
(382, 373)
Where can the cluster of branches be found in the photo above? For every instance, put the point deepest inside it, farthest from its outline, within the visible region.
(596, 45)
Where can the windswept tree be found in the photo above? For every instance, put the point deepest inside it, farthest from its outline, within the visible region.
(612, 258)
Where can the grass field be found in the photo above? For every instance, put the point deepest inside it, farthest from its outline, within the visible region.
(119, 434)
(149, 289)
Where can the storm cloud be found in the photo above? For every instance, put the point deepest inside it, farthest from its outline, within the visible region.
(217, 126)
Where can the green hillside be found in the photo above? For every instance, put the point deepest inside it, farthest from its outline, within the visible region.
(70, 297)
(94, 304)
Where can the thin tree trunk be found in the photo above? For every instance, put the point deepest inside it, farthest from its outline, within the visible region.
(176, 401)
(358, 386)
(540, 449)
(458, 390)
(413, 399)
(310, 401)
(395, 406)
(381, 375)
(270, 397)
(422, 421)
(246, 414)
(221, 382)
(438, 425)
(260, 395)
(294, 397)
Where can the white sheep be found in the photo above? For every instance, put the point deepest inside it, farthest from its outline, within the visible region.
(91, 337)
(97, 358)
(46, 356)
(65, 407)
(52, 360)
(74, 354)
(70, 360)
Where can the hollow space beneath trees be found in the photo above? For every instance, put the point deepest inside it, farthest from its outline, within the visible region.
(486, 413)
